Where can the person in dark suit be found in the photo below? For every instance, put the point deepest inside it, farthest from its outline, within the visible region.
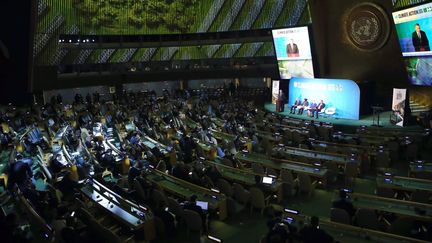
(303, 106)
(292, 49)
(312, 233)
(344, 203)
(282, 100)
(317, 109)
(295, 105)
(420, 40)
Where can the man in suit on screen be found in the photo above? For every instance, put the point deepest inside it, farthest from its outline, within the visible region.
(292, 49)
(420, 40)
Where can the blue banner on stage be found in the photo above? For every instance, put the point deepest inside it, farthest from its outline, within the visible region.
(341, 97)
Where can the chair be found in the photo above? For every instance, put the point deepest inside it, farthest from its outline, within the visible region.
(305, 184)
(333, 169)
(159, 199)
(258, 169)
(331, 111)
(287, 177)
(161, 166)
(287, 135)
(224, 187)
(107, 235)
(303, 146)
(241, 195)
(351, 171)
(286, 192)
(296, 137)
(267, 147)
(175, 208)
(339, 216)
(393, 146)
(208, 181)
(412, 151)
(193, 221)
(332, 149)
(319, 148)
(420, 196)
(258, 201)
(322, 112)
(382, 160)
(160, 227)
(423, 175)
(367, 218)
(385, 192)
(324, 133)
(107, 173)
(227, 162)
(401, 226)
(140, 191)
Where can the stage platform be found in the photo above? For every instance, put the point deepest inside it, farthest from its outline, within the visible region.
(364, 120)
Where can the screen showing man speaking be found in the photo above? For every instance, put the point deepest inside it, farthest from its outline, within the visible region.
(414, 30)
(293, 52)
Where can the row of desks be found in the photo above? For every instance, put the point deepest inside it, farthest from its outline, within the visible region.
(340, 159)
(349, 233)
(319, 174)
(130, 214)
(404, 184)
(418, 211)
(243, 177)
(423, 169)
(327, 146)
(185, 190)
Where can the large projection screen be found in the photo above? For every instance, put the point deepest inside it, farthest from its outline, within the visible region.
(414, 30)
(293, 52)
(339, 94)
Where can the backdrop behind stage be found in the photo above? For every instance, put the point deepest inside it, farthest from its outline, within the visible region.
(341, 94)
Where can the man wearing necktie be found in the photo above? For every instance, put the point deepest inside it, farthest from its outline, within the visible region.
(420, 40)
(292, 49)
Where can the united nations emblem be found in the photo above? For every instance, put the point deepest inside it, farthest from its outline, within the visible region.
(367, 26)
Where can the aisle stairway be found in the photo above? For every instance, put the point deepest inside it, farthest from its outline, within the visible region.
(416, 108)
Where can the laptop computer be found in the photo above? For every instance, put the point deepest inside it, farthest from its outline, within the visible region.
(203, 205)
(267, 180)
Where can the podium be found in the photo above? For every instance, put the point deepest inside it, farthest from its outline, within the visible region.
(376, 115)
(278, 106)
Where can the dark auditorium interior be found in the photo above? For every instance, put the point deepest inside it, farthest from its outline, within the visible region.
(210, 121)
